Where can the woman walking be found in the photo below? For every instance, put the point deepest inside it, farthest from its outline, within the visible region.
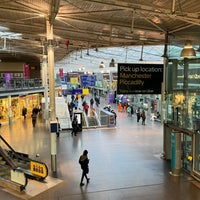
(84, 161)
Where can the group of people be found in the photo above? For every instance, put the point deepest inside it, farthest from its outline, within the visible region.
(74, 104)
(108, 108)
(34, 113)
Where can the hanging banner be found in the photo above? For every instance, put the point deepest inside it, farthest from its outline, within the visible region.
(92, 80)
(26, 71)
(139, 78)
(84, 80)
(74, 80)
(85, 91)
(61, 74)
(87, 80)
(8, 78)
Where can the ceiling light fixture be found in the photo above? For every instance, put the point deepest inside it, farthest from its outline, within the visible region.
(112, 63)
(102, 65)
(188, 51)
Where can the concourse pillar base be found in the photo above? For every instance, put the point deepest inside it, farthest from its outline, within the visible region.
(54, 165)
(175, 172)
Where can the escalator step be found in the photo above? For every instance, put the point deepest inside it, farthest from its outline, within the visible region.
(2, 162)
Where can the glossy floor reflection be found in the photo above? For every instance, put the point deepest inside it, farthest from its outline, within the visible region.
(125, 162)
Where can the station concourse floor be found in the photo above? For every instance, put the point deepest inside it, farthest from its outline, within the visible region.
(125, 163)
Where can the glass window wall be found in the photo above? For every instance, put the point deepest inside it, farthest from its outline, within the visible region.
(183, 99)
(186, 152)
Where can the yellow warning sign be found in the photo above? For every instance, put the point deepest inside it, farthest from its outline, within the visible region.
(39, 169)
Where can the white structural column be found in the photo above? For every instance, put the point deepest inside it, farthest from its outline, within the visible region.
(50, 52)
(53, 123)
(45, 84)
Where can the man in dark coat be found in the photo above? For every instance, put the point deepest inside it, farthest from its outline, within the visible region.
(74, 126)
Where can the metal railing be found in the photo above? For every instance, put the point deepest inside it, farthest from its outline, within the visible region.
(15, 84)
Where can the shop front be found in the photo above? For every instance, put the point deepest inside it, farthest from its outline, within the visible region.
(11, 107)
(186, 147)
(182, 106)
(191, 154)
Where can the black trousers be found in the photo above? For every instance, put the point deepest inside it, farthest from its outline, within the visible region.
(74, 131)
(84, 174)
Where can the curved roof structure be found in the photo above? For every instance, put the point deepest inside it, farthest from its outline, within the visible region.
(90, 61)
(80, 25)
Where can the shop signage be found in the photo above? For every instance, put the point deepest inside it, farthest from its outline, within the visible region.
(139, 78)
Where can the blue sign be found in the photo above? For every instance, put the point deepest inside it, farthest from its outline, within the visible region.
(87, 80)
(77, 91)
(84, 80)
(92, 80)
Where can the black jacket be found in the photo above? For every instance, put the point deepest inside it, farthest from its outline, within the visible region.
(84, 161)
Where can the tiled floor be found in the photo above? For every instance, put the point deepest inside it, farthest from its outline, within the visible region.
(125, 162)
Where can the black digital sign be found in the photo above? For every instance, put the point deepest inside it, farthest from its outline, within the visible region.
(139, 78)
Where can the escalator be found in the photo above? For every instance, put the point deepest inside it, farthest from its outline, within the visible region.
(92, 121)
(16, 168)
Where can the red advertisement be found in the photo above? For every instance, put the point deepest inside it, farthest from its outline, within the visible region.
(26, 71)
(61, 72)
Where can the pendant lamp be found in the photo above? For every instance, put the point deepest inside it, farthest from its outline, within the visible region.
(188, 51)
(112, 63)
(102, 65)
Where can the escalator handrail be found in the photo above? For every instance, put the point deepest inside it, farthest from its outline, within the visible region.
(13, 151)
(1, 137)
(3, 153)
(19, 156)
